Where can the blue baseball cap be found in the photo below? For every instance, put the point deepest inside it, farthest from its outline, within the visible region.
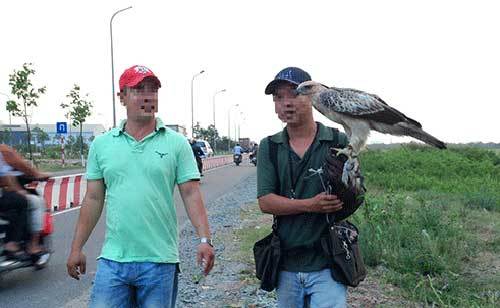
(293, 75)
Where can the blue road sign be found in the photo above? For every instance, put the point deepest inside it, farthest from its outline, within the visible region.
(62, 127)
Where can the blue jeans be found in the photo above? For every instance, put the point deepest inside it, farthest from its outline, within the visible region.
(134, 284)
(314, 289)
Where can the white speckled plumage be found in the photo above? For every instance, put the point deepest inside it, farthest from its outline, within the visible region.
(360, 112)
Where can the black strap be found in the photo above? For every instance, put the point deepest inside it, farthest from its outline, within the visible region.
(336, 144)
(273, 157)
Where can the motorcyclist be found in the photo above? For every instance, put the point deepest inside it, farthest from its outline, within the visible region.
(26, 210)
(253, 154)
(237, 149)
(14, 208)
(198, 154)
(255, 149)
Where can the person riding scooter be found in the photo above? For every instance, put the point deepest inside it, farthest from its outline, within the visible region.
(13, 208)
(253, 154)
(237, 151)
(26, 210)
(198, 154)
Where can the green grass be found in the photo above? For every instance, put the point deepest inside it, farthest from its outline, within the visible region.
(248, 234)
(472, 174)
(430, 224)
(54, 167)
(431, 218)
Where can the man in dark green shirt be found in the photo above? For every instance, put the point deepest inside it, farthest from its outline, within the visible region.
(294, 191)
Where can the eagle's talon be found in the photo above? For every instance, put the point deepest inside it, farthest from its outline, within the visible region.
(351, 172)
(347, 151)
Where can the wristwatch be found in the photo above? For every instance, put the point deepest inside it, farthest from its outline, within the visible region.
(206, 240)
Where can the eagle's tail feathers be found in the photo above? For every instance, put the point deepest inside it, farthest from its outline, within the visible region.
(419, 134)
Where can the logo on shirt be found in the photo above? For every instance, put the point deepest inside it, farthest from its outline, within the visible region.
(161, 154)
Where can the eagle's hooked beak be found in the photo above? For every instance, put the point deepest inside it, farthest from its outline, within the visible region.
(308, 88)
(300, 90)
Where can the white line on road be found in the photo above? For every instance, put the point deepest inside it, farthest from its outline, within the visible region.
(66, 211)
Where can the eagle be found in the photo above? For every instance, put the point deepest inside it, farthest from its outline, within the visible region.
(359, 113)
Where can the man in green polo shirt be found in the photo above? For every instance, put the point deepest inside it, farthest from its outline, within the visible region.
(134, 168)
(294, 192)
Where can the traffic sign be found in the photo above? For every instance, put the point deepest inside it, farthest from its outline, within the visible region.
(62, 127)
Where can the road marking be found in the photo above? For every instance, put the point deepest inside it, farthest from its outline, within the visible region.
(66, 211)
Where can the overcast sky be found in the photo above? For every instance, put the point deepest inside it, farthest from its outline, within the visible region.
(438, 62)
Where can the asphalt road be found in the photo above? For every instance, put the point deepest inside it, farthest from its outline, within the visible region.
(51, 287)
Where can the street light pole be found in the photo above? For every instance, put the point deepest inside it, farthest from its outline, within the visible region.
(215, 137)
(229, 126)
(112, 62)
(242, 119)
(192, 110)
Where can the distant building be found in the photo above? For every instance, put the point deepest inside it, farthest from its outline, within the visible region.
(18, 132)
(244, 143)
(178, 128)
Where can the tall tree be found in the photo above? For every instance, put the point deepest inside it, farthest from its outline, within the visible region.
(22, 88)
(207, 134)
(41, 136)
(211, 134)
(79, 111)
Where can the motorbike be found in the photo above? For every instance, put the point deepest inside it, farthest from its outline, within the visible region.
(237, 159)
(39, 261)
(253, 158)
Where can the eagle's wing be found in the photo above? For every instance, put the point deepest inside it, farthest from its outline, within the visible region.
(359, 104)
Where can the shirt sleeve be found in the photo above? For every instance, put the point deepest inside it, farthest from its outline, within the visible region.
(266, 174)
(4, 168)
(94, 171)
(186, 169)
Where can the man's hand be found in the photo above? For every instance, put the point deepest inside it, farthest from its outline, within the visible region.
(22, 192)
(42, 176)
(205, 257)
(76, 264)
(323, 203)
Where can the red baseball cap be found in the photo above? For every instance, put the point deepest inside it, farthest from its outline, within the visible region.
(132, 76)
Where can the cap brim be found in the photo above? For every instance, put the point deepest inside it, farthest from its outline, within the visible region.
(273, 84)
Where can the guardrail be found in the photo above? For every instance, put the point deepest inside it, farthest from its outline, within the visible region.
(216, 161)
(64, 192)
